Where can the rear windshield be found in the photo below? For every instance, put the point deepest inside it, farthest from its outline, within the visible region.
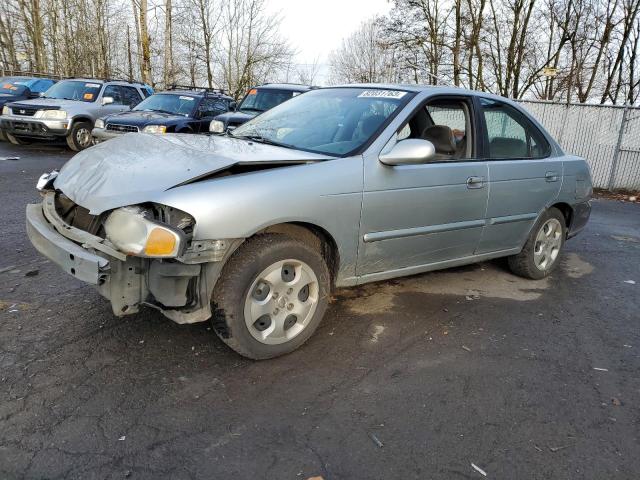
(75, 90)
(260, 100)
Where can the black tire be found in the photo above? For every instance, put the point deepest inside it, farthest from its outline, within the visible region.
(3, 137)
(523, 264)
(17, 140)
(77, 138)
(238, 276)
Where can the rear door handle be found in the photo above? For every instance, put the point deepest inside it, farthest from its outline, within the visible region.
(551, 176)
(475, 182)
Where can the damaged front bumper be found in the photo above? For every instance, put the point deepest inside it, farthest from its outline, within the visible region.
(180, 290)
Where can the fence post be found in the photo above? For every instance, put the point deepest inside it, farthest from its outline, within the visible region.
(564, 125)
(616, 153)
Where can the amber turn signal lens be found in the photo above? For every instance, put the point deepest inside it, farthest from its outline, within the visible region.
(160, 242)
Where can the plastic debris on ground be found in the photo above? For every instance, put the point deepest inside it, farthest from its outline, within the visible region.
(479, 470)
(375, 440)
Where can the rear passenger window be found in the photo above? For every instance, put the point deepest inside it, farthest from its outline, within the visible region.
(113, 91)
(510, 133)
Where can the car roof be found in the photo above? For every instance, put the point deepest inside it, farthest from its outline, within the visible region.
(429, 89)
(294, 87)
(194, 93)
(103, 81)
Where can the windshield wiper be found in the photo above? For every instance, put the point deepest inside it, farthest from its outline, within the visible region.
(250, 109)
(261, 139)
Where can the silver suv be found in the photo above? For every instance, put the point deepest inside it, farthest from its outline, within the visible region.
(68, 110)
(334, 188)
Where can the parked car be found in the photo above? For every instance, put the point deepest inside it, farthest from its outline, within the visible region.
(337, 187)
(258, 100)
(68, 110)
(178, 110)
(21, 88)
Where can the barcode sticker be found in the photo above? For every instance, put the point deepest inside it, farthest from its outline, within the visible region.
(382, 94)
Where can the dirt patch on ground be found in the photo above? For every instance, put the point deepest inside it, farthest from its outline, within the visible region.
(576, 267)
(470, 283)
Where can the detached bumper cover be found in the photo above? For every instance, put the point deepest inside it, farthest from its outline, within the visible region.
(69, 256)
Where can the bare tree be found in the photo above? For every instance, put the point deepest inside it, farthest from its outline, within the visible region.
(362, 57)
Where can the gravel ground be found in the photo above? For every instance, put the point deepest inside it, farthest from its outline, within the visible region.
(409, 379)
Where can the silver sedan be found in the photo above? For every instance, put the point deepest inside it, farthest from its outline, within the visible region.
(333, 188)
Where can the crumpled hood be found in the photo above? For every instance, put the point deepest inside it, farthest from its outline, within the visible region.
(136, 167)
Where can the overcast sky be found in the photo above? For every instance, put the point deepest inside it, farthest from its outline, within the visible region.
(314, 28)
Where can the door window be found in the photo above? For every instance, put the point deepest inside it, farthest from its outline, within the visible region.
(210, 107)
(510, 134)
(447, 124)
(113, 91)
(131, 96)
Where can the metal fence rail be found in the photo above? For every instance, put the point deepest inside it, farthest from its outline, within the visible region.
(607, 136)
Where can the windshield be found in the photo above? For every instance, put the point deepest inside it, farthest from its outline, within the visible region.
(168, 103)
(259, 100)
(334, 121)
(74, 90)
(12, 87)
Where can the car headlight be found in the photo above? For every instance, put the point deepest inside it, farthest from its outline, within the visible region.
(155, 129)
(6, 111)
(99, 123)
(51, 114)
(216, 126)
(132, 233)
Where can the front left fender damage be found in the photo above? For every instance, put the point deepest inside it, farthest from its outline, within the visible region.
(181, 291)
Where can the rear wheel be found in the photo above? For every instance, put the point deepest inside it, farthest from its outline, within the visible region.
(80, 136)
(540, 255)
(271, 296)
(17, 140)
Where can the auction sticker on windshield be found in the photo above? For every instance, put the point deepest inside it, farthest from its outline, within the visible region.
(92, 85)
(382, 94)
(190, 99)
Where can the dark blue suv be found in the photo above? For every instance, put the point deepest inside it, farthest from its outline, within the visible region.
(179, 110)
(21, 88)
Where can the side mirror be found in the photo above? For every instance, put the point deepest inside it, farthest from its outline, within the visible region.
(107, 100)
(233, 106)
(411, 151)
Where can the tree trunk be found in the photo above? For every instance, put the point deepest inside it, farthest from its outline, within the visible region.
(168, 46)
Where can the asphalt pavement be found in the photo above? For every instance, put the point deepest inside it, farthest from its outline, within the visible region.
(417, 378)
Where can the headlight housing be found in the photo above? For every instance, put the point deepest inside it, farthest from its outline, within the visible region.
(51, 114)
(216, 126)
(159, 129)
(99, 123)
(6, 110)
(134, 234)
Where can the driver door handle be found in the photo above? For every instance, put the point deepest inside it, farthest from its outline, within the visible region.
(475, 182)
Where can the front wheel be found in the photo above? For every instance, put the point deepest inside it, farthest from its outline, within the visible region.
(271, 296)
(541, 253)
(79, 137)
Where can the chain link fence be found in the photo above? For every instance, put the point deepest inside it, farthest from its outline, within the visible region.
(607, 136)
